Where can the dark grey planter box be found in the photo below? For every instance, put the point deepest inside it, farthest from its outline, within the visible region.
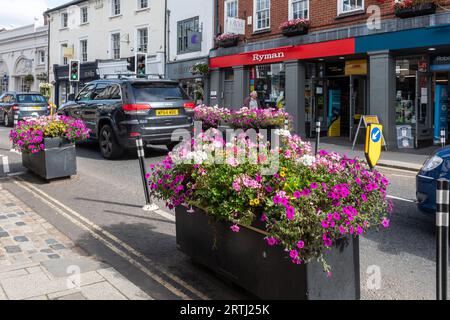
(245, 259)
(418, 10)
(58, 160)
(295, 31)
(226, 43)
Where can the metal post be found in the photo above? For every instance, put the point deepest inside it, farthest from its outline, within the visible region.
(443, 138)
(141, 155)
(442, 217)
(318, 126)
(16, 120)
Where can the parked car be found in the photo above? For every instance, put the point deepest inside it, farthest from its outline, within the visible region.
(119, 110)
(436, 167)
(23, 104)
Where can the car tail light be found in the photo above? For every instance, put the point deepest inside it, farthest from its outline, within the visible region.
(189, 105)
(134, 134)
(15, 107)
(136, 107)
(49, 107)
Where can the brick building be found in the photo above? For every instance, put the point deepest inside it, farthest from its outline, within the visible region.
(351, 58)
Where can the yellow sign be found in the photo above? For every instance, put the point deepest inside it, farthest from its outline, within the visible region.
(356, 67)
(374, 142)
(68, 52)
(170, 112)
(335, 128)
(371, 120)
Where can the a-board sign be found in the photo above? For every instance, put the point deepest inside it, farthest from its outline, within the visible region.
(364, 123)
(374, 136)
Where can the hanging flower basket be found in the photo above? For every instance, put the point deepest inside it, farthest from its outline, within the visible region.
(294, 27)
(227, 40)
(409, 9)
(200, 68)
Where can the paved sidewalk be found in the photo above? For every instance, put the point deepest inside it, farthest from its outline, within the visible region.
(410, 160)
(37, 262)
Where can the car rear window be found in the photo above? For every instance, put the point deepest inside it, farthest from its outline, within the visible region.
(30, 98)
(158, 92)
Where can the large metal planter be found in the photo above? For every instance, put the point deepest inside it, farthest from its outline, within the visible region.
(58, 160)
(245, 259)
(418, 10)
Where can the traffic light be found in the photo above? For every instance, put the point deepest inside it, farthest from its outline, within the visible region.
(74, 71)
(141, 64)
(131, 64)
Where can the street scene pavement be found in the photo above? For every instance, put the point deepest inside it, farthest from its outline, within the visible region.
(100, 211)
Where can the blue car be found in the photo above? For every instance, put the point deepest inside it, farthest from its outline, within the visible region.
(436, 167)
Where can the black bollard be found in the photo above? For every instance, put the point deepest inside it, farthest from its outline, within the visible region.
(318, 126)
(141, 155)
(442, 217)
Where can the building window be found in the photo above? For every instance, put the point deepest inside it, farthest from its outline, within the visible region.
(231, 9)
(25, 86)
(115, 9)
(64, 20)
(345, 6)
(185, 28)
(83, 51)
(142, 37)
(41, 57)
(262, 14)
(84, 15)
(64, 59)
(115, 45)
(298, 9)
(142, 4)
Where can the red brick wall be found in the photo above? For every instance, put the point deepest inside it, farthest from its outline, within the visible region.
(323, 15)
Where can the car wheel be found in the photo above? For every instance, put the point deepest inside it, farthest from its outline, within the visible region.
(6, 121)
(109, 147)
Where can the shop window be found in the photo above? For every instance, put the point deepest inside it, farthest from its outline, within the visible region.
(406, 71)
(269, 81)
(262, 14)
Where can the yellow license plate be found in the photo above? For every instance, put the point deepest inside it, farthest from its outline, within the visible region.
(169, 112)
(36, 108)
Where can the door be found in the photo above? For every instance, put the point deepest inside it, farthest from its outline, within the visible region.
(423, 110)
(89, 112)
(358, 102)
(84, 97)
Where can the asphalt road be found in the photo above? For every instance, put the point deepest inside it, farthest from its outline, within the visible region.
(100, 210)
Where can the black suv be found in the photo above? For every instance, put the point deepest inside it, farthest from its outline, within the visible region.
(119, 110)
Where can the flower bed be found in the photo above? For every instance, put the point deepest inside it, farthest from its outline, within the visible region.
(48, 144)
(414, 8)
(295, 27)
(29, 134)
(306, 205)
(212, 117)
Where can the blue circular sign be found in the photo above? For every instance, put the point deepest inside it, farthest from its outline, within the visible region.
(375, 135)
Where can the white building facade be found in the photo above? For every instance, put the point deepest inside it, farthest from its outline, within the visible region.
(102, 34)
(23, 58)
(190, 33)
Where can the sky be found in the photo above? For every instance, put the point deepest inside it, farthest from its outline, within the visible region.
(16, 13)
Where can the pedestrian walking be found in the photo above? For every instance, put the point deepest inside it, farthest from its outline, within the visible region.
(251, 101)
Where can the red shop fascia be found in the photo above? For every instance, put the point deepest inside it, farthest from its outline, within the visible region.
(287, 53)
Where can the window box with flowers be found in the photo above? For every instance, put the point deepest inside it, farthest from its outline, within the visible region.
(227, 40)
(414, 8)
(288, 234)
(47, 145)
(295, 27)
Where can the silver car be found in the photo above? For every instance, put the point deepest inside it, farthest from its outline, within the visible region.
(23, 105)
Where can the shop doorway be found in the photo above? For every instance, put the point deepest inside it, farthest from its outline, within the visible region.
(338, 102)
